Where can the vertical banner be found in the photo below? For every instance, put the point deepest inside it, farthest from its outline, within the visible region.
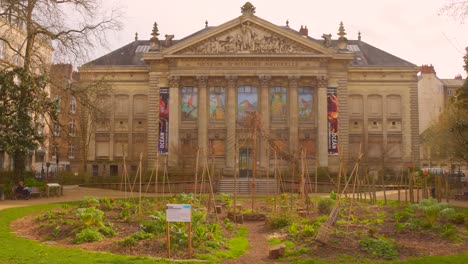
(332, 112)
(163, 142)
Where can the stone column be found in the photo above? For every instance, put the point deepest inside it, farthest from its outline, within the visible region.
(264, 110)
(322, 139)
(230, 122)
(293, 114)
(174, 121)
(203, 117)
(153, 119)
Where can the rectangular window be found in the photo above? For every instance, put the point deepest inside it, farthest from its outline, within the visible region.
(278, 103)
(2, 49)
(95, 170)
(71, 151)
(58, 102)
(56, 129)
(189, 104)
(247, 101)
(73, 104)
(114, 170)
(217, 103)
(72, 128)
(305, 103)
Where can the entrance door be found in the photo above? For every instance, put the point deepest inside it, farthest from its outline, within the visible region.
(245, 162)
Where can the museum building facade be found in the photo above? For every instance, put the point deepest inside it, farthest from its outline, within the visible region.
(328, 99)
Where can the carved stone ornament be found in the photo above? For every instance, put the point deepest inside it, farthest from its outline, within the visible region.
(247, 39)
(232, 80)
(322, 81)
(174, 81)
(248, 8)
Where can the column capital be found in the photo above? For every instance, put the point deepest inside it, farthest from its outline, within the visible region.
(264, 80)
(293, 80)
(174, 81)
(232, 80)
(202, 80)
(322, 81)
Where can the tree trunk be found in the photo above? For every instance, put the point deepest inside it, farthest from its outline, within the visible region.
(18, 166)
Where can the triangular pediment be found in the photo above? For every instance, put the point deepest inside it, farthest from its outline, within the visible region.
(248, 35)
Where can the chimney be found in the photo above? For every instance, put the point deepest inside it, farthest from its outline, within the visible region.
(427, 69)
(304, 31)
(169, 40)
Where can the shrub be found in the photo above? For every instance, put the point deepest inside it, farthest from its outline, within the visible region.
(309, 231)
(90, 216)
(107, 231)
(156, 225)
(106, 203)
(90, 234)
(90, 201)
(140, 235)
(379, 247)
(325, 205)
(280, 221)
(127, 242)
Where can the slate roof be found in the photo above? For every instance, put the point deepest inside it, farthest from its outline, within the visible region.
(365, 54)
(453, 82)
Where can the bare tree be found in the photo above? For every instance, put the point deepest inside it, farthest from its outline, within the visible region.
(457, 9)
(31, 32)
(71, 28)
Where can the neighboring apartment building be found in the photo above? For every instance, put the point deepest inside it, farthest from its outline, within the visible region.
(310, 93)
(434, 95)
(64, 137)
(12, 39)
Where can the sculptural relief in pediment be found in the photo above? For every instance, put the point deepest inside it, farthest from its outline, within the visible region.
(247, 39)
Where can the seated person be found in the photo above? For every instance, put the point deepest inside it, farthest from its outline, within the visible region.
(22, 190)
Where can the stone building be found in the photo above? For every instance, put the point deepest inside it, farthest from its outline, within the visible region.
(434, 96)
(329, 97)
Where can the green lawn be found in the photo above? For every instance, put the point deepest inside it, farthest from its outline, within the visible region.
(16, 250)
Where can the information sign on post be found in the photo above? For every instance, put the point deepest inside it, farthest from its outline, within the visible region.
(178, 213)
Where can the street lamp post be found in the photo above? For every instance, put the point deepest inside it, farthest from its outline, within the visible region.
(47, 175)
(41, 154)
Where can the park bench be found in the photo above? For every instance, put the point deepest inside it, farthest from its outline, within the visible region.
(463, 195)
(35, 191)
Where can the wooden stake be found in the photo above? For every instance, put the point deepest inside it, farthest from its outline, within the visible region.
(316, 170)
(190, 240)
(196, 172)
(139, 199)
(156, 175)
(168, 238)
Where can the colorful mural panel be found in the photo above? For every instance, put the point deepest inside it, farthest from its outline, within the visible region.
(247, 101)
(217, 103)
(189, 104)
(306, 99)
(278, 103)
(332, 110)
(163, 142)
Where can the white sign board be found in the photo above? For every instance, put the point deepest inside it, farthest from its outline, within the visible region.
(179, 213)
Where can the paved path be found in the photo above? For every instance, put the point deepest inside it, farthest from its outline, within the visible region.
(77, 193)
(70, 193)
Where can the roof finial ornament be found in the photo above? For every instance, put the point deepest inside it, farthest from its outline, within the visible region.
(154, 41)
(136, 36)
(342, 40)
(206, 23)
(359, 35)
(287, 23)
(248, 9)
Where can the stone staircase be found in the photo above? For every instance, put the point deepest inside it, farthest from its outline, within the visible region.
(244, 186)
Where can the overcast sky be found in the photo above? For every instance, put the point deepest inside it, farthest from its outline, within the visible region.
(409, 29)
